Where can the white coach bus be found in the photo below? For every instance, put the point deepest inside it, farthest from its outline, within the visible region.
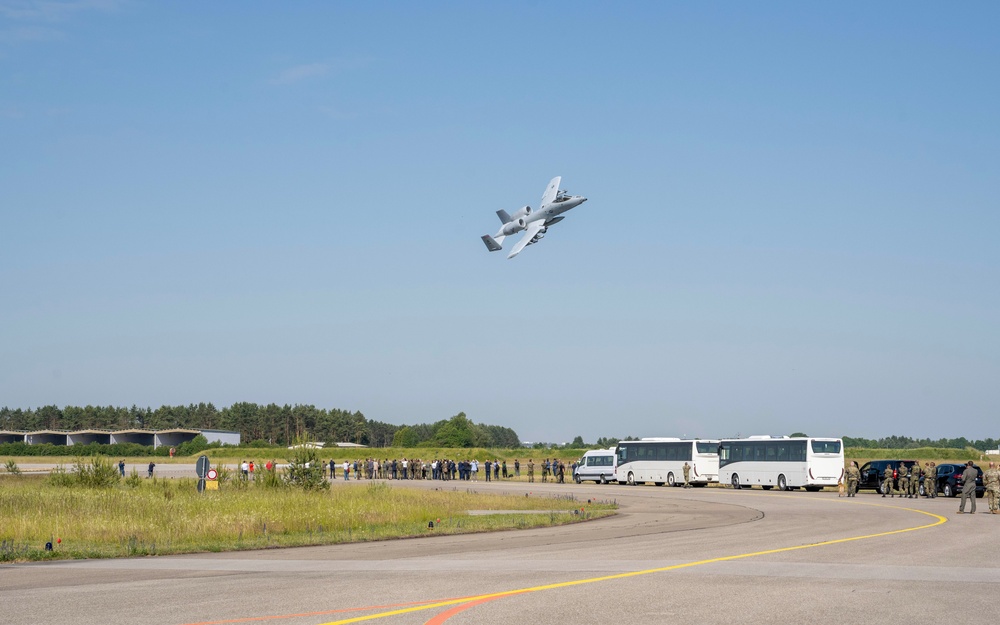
(769, 461)
(661, 461)
(597, 465)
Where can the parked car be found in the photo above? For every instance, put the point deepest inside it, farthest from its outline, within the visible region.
(949, 480)
(872, 473)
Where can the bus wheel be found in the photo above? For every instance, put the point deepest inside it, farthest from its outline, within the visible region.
(736, 481)
(670, 479)
(782, 484)
(631, 479)
(602, 480)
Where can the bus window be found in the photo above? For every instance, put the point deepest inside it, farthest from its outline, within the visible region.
(707, 448)
(826, 447)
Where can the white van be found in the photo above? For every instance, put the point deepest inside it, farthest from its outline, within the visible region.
(597, 465)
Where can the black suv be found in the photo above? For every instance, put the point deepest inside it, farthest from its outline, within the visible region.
(949, 480)
(872, 473)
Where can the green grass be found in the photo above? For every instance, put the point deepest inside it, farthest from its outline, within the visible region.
(937, 454)
(162, 517)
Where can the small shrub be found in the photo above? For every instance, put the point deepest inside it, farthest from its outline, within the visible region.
(12, 467)
(60, 477)
(100, 472)
(133, 480)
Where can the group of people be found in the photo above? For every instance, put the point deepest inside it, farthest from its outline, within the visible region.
(554, 468)
(904, 481)
(907, 480)
(443, 469)
(991, 481)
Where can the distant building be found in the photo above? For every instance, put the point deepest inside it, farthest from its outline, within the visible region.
(154, 438)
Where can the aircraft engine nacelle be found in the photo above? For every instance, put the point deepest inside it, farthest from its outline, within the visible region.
(513, 226)
(521, 212)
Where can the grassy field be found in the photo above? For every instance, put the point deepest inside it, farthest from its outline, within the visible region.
(158, 517)
(936, 454)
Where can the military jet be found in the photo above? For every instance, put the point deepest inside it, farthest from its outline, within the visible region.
(555, 202)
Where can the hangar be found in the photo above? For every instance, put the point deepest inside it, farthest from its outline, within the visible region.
(154, 438)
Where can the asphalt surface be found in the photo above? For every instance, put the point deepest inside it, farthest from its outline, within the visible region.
(710, 555)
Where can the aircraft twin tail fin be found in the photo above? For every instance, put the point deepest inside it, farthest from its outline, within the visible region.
(492, 244)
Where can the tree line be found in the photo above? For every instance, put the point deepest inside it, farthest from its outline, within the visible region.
(269, 424)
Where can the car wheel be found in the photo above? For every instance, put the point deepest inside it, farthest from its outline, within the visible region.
(577, 478)
(948, 492)
(602, 480)
(736, 481)
(670, 479)
(782, 483)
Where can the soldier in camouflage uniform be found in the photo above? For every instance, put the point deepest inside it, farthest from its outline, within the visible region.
(887, 483)
(991, 480)
(915, 481)
(853, 475)
(531, 470)
(903, 482)
(930, 473)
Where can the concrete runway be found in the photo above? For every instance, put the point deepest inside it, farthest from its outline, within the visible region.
(708, 555)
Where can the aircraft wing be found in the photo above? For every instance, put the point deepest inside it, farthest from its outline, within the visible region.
(550, 191)
(532, 230)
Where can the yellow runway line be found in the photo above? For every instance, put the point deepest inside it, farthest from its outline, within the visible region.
(482, 598)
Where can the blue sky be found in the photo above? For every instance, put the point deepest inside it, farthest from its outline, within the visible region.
(792, 220)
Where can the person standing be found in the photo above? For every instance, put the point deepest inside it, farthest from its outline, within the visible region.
(152, 465)
(489, 469)
(853, 475)
(687, 474)
(887, 482)
(903, 482)
(991, 479)
(968, 488)
(930, 475)
(517, 468)
(531, 470)
(915, 481)
(245, 469)
(121, 467)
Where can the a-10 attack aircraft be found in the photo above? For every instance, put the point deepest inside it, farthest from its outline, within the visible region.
(555, 202)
